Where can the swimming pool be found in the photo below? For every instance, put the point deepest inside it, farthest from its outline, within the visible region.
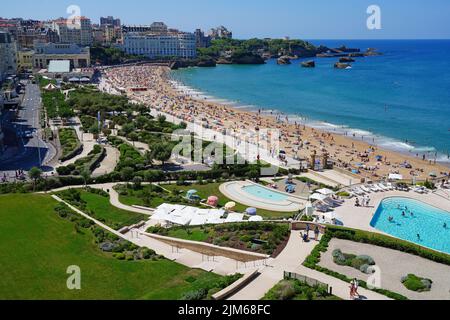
(264, 193)
(412, 218)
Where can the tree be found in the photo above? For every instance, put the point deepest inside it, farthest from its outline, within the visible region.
(137, 181)
(161, 152)
(127, 173)
(85, 174)
(35, 174)
(161, 119)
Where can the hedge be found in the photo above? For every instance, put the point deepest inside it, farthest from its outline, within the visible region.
(312, 262)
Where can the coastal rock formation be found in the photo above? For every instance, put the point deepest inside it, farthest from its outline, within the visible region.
(224, 61)
(346, 60)
(372, 52)
(206, 63)
(247, 58)
(284, 60)
(356, 55)
(339, 65)
(348, 50)
(308, 64)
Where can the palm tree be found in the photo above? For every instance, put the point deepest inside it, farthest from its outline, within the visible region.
(35, 174)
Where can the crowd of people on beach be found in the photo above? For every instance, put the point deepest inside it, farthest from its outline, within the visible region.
(152, 85)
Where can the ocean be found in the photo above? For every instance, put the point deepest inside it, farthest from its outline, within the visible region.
(399, 101)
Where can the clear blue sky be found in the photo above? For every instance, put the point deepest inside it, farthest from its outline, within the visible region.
(307, 19)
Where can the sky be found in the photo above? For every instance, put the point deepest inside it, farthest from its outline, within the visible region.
(304, 19)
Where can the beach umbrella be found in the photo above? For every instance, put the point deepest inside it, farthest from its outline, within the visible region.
(251, 211)
(230, 205)
(190, 193)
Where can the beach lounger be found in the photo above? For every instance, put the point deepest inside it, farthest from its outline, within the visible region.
(386, 187)
(382, 187)
(359, 191)
(365, 189)
(390, 186)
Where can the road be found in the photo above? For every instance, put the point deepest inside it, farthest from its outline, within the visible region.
(33, 151)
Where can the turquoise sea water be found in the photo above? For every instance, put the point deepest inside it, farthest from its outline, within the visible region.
(425, 221)
(400, 100)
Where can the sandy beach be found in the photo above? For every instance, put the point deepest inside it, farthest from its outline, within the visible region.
(151, 85)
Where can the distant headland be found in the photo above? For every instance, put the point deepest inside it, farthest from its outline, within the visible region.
(258, 51)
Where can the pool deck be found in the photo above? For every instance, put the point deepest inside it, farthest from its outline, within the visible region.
(392, 273)
(360, 217)
(233, 190)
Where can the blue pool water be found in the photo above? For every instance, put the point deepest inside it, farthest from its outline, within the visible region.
(264, 193)
(427, 221)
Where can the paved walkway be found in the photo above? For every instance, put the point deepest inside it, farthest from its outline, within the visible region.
(219, 265)
(109, 163)
(272, 272)
(291, 260)
(391, 274)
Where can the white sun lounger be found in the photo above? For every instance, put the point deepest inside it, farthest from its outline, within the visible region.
(358, 192)
(383, 187)
(365, 189)
(386, 187)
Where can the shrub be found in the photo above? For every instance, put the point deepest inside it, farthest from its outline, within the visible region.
(196, 295)
(417, 284)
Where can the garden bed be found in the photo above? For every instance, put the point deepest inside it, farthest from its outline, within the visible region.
(291, 289)
(71, 146)
(264, 238)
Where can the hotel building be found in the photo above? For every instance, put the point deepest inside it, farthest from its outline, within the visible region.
(158, 41)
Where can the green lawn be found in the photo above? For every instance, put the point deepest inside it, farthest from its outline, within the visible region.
(136, 197)
(112, 216)
(36, 247)
(204, 191)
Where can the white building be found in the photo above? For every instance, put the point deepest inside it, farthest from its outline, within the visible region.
(79, 57)
(8, 55)
(156, 45)
(77, 31)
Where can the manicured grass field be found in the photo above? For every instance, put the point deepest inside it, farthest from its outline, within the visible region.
(37, 246)
(204, 191)
(112, 216)
(135, 197)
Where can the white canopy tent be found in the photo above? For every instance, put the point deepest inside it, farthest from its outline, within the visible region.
(234, 217)
(318, 196)
(255, 219)
(325, 192)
